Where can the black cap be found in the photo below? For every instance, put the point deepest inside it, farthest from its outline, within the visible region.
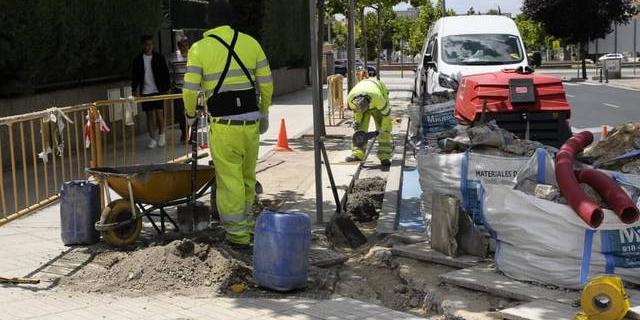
(220, 13)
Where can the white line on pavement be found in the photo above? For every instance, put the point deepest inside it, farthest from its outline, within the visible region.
(611, 105)
(570, 96)
(571, 84)
(591, 83)
(592, 129)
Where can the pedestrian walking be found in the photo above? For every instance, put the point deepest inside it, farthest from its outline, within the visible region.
(178, 69)
(150, 77)
(370, 98)
(233, 72)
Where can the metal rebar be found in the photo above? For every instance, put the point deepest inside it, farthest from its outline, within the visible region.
(77, 138)
(173, 130)
(44, 160)
(70, 159)
(124, 134)
(84, 141)
(25, 175)
(114, 135)
(13, 170)
(35, 161)
(2, 195)
(62, 168)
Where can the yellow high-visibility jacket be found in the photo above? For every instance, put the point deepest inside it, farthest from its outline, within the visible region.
(376, 90)
(206, 61)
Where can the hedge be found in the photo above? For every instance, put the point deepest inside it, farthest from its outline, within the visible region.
(57, 41)
(53, 41)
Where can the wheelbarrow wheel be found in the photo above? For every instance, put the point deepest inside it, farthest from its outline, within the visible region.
(120, 210)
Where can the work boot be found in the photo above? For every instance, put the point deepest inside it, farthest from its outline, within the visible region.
(385, 162)
(351, 158)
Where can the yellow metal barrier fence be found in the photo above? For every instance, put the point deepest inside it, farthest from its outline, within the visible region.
(41, 150)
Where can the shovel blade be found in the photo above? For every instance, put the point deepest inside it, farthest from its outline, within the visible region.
(342, 229)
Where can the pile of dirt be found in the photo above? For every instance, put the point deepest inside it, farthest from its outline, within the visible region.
(620, 140)
(179, 265)
(365, 200)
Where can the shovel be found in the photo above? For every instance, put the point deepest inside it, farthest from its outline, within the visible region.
(194, 216)
(341, 225)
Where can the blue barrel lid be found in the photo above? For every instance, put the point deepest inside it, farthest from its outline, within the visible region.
(291, 222)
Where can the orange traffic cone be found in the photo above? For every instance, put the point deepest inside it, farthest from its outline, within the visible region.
(605, 132)
(283, 141)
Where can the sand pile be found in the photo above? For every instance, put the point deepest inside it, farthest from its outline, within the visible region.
(178, 265)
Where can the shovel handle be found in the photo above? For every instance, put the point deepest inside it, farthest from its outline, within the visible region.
(194, 157)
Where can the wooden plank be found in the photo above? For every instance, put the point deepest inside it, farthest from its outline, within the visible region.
(488, 280)
(540, 310)
(423, 252)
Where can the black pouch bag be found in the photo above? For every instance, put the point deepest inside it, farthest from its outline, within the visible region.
(232, 102)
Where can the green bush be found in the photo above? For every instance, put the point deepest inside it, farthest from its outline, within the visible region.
(58, 41)
(53, 41)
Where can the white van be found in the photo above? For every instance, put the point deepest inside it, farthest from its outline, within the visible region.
(461, 45)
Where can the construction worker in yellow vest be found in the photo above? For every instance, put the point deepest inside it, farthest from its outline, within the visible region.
(370, 98)
(233, 72)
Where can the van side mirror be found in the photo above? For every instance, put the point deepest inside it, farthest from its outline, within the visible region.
(427, 58)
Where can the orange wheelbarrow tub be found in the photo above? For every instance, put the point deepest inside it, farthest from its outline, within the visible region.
(146, 190)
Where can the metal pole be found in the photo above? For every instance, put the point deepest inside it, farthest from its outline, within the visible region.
(365, 47)
(317, 111)
(320, 33)
(351, 45)
(379, 50)
(635, 39)
(615, 38)
(401, 58)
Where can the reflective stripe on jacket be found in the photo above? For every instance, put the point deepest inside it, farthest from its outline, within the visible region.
(206, 61)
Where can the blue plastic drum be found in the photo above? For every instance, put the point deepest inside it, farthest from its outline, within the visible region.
(281, 250)
(79, 211)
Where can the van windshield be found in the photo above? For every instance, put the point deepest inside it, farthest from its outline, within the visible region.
(481, 49)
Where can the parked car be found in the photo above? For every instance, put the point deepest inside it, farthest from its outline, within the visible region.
(611, 56)
(341, 67)
(463, 45)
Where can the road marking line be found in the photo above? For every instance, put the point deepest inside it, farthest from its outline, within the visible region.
(571, 84)
(611, 105)
(591, 83)
(570, 96)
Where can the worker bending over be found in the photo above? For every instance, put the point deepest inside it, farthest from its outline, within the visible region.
(370, 98)
(233, 72)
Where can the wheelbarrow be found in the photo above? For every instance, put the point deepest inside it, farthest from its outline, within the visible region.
(145, 189)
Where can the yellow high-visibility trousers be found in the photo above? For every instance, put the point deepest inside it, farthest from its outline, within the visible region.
(234, 149)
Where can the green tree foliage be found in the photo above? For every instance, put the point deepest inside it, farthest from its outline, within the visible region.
(45, 42)
(402, 27)
(386, 18)
(532, 32)
(339, 34)
(579, 21)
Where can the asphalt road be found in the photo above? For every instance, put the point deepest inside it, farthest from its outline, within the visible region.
(594, 105)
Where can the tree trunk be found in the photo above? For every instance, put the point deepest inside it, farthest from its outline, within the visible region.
(379, 49)
(321, 72)
(583, 56)
(363, 36)
(351, 45)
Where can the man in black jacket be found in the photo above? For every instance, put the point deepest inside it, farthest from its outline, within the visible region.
(150, 76)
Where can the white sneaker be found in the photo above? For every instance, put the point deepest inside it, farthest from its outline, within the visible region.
(152, 144)
(161, 140)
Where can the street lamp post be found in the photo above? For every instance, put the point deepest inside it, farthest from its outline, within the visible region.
(317, 109)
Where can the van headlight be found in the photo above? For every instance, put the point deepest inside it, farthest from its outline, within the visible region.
(446, 81)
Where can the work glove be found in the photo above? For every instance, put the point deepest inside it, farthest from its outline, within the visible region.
(264, 122)
(191, 120)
